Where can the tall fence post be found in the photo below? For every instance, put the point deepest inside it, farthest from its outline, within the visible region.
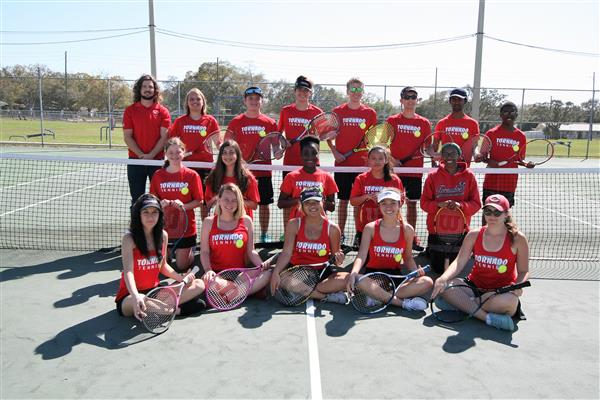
(41, 107)
(592, 108)
(522, 109)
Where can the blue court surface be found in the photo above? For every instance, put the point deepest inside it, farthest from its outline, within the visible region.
(61, 338)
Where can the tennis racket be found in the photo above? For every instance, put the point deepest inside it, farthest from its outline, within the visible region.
(270, 147)
(161, 305)
(464, 141)
(213, 142)
(449, 228)
(324, 126)
(373, 292)
(536, 152)
(459, 302)
(380, 134)
(176, 224)
(230, 287)
(429, 149)
(368, 212)
(299, 281)
(483, 147)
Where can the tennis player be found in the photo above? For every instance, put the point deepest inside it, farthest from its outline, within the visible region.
(312, 239)
(230, 168)
(143, 251)
(501, 254)
(355, 118)
(177, 185)
(294, 118)
(227, 238)
(193, 128)
(410, 131)
(457, 125)
(505, 138)
(452, 185)
(247, 129)
(145, 131)
(368, 184)
(307, 176)
(386, 246)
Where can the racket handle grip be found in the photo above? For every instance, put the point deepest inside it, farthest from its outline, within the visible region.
(416, 272)
(194, 271)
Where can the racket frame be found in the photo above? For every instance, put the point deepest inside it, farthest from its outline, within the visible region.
(298, 300)
(243, 271)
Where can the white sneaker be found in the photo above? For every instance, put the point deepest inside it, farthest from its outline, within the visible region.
(414, 304)
(339, 297)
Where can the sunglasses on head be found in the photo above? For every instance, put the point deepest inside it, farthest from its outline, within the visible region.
(356, 90)
(253, 91)
(409, 97)
(491, 211)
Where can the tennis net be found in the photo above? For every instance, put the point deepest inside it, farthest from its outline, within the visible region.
(72, 203)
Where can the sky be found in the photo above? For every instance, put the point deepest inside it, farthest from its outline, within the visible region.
(571, 25)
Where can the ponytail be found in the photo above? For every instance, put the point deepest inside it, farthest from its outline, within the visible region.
(511, 227)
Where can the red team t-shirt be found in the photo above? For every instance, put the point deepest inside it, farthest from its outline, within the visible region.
(308, 251)
(227, 248)
(293, 122)
(353, 125)
(493, 269)
(503, 143)
(410, 133)
(248, 132)
(297, 180)
(193, 133)
(145, 273)
(460, 130)
(184, 185)
(384, 255)
(366, 183)
(146, 123)
(251, 192)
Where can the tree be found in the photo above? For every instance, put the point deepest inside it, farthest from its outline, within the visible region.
(553, 114)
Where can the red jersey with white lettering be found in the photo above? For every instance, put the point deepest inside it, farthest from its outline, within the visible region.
(292, 122)
(384, 255)
(493, 269)
(366, 183)
(440, 186)
(410, 133)
(353, 125)
(184, 185)
(504, 143)
(248, 132)
(193, 133)
(297, 180)
(309, 251)
(146, 123)
(251, 192)
(460, 130)
(145, 272)
(227, 248)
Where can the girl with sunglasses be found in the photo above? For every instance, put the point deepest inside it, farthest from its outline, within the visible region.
(501, 254)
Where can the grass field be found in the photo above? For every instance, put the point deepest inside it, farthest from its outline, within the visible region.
(89, 133)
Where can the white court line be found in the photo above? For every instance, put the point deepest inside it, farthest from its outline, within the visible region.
(559, 213)
(46, 178)
(61, 196)
(313, 352)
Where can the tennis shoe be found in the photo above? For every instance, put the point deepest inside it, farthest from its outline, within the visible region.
(414, 304)
(417, 245)
(339, 297)
(443, 305)
(265, 238)
(500, 321)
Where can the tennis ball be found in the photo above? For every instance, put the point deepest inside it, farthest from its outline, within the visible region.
(418, 133)
(502, 269)
(305, 126)
(185, 190)
(465, 135)
(516, 147)
(363, 125)
(398, 257)
(322, 252)
(239, 243)
(262, 133)
(203, 133)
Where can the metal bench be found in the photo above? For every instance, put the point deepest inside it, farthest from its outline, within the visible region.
(46, 132)
(566, 143)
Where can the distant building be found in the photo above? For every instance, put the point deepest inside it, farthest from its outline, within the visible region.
(578, 130)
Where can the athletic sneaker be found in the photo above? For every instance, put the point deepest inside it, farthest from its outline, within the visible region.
(500, 321)
(339, 297)
(414, 304)
(265, 238)
(443, 304)
(417, 244)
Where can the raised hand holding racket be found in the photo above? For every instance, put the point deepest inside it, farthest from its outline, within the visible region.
(161, 304)
(324, 126)
(380, 134)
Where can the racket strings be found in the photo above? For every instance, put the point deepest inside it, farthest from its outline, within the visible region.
(161, 307)
(271, 147)
(324, 126)
(296, 285)
(372, 293)
(229, 289)
(175, 221)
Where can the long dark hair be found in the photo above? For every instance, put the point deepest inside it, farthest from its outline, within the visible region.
(137, 88)
(388, 167)
(511, 226)
(136, 229)
(216, 176)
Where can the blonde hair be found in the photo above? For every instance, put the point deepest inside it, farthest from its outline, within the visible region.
(187, 97)
(172, 141)
(233, 188)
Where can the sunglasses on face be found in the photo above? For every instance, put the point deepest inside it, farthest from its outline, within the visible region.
(409, 97)
(356, 90)
(491, 211)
